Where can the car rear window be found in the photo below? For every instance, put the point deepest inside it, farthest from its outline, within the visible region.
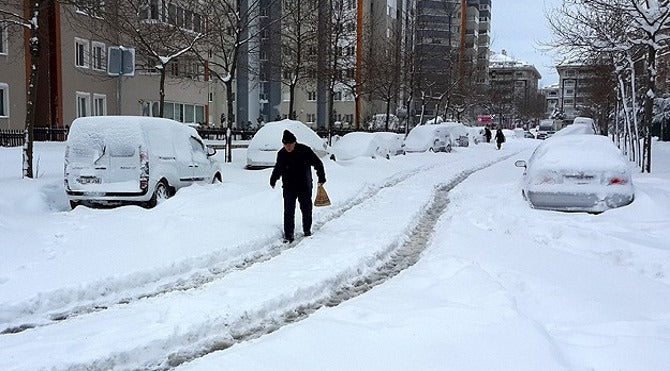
(122, 150)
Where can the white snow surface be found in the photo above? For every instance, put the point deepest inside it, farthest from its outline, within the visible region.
(500, 286)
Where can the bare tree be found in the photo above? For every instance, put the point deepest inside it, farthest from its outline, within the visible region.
(340, 38)
(159, 35)
(298, 46)
(18, 18)
(233, 30)
(620, 27)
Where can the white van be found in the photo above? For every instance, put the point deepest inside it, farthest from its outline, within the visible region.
(133, 159)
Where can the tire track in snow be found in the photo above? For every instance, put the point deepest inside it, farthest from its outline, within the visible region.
(399, 256)
(267, 249)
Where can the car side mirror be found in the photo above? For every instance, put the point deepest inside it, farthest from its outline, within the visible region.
(211, 151)
(520, 163)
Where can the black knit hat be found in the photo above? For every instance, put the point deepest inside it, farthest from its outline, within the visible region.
(288, 137)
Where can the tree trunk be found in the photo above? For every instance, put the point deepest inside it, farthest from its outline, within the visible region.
(161, 92)
(649, 106)
(291, 101)
(32, 94)
(388, 114)
(231, 119)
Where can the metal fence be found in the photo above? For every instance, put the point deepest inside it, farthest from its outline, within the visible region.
(15, 138)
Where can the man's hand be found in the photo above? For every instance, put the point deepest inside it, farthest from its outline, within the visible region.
(321, 183)
(272, 185)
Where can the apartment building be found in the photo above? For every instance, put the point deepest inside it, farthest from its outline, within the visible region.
(551, 94)
(74, 80)
(483, 42)
(13, 73)
(574, 80)
(514, 85)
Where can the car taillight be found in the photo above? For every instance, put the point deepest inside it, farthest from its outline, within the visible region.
(547, 179)
(618, 181)
(144, 169)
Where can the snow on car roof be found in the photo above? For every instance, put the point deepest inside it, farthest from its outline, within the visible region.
(269, 136)
(581, 151)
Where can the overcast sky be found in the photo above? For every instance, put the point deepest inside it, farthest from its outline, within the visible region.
(519, 26)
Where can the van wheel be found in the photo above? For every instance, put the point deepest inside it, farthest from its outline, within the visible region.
(74, 204)
(161, 193)
(217, 178)
(431, 150)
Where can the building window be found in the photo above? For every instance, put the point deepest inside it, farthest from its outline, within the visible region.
(311, 95)
(4, 100)
(168, 110)
(83, 104)
(4, 39)
(99, 105)
(151, 11)
(80, 52)
(311, 117)
(189, 113)
(199, 114)
(93, 8)
(98, 56)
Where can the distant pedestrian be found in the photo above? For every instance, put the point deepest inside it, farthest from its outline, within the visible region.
(487, 134)
(294, 167)
(500, 138)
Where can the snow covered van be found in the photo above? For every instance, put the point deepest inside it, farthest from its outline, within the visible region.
(133, 159)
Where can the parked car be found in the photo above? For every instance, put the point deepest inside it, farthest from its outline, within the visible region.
(422, 138)
(359, 144)
(263, 147)
(133, 159)
(548, 127)
(581, 125)
(577, 173)
(476, 134)
(458, 133)
(392, 141)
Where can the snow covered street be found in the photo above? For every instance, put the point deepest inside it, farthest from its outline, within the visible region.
(425, 261)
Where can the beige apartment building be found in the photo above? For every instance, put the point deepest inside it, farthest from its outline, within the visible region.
(574, 81)
(13, 73)
(74, 81)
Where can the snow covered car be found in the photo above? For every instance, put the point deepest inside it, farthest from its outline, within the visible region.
(458, 133)
(434, 138)
(392, 141)
(359, 144)
(577, 173)
(263, 147)
(476, 134)
(133, 159)
(581, 125)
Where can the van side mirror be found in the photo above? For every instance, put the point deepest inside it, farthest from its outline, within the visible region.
(520, 163)
(211, 151)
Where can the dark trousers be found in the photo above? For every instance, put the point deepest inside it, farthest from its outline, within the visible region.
(304, 198)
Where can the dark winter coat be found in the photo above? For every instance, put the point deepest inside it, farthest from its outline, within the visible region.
(500, 137)
(487, 134)
(295, 168)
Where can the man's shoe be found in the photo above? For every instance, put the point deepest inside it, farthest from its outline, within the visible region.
(307, 234)
(287, 240)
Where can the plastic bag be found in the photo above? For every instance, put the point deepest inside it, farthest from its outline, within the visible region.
(322, 198)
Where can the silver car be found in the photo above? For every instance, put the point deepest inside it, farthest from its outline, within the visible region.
(577, 173)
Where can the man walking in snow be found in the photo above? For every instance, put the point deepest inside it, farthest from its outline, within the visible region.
(294, 167)
(500, 138)
(487, 134)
